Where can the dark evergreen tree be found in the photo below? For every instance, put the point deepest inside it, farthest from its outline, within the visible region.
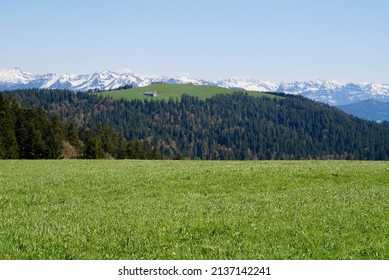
(8, 143)
(236, 126)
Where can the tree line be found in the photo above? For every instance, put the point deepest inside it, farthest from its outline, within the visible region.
(227, 126)
(28, 133)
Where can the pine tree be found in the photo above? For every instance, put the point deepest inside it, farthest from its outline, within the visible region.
(54, 136)
(8, 143)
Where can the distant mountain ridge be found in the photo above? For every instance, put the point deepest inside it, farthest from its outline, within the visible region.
(368, 109)
(329, 92)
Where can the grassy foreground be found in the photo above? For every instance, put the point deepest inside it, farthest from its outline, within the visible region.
(194, 210)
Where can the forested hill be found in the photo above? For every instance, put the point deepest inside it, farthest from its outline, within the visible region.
(234, 126)
(28, 133)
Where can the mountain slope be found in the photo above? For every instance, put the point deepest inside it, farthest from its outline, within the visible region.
(225, 126)
(329, 92)
(18, 79)
(368, 109)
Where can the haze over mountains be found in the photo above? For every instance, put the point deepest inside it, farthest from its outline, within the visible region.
(368, 109)
(330, 92)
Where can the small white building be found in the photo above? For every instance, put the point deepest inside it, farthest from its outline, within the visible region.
(150, 93)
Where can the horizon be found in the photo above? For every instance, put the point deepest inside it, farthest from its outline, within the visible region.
(155, 76)
(340, 41)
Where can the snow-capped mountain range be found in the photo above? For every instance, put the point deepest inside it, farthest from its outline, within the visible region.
(330, 92)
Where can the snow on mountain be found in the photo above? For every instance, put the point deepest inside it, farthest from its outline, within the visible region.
(14, 76)
(248, 83)
(330, 92)
(18, 79)
(335, 93)
(104, 80)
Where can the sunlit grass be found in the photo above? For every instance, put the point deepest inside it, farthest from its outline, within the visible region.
(174, 91)
(194, 210)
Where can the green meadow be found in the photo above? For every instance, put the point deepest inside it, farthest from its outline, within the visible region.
(174, 91)
(102, 209)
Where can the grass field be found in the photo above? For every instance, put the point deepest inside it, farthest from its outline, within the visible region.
(166, 91)
(194, 210)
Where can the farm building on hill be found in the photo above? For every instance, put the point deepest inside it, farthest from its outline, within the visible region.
(150, 93)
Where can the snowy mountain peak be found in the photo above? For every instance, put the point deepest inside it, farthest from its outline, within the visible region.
(330, 92)
(248, 83)
(15, 75)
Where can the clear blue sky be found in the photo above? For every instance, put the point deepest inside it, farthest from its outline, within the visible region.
(274, 40)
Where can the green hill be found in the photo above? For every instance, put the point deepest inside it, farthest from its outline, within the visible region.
(225, 126)
(166, 91)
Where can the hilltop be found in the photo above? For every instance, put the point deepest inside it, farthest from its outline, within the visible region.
(234, 126)
(166, 91)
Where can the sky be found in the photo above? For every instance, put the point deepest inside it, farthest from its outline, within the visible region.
(342, 40)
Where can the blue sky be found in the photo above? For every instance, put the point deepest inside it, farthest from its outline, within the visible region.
(274, 40)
